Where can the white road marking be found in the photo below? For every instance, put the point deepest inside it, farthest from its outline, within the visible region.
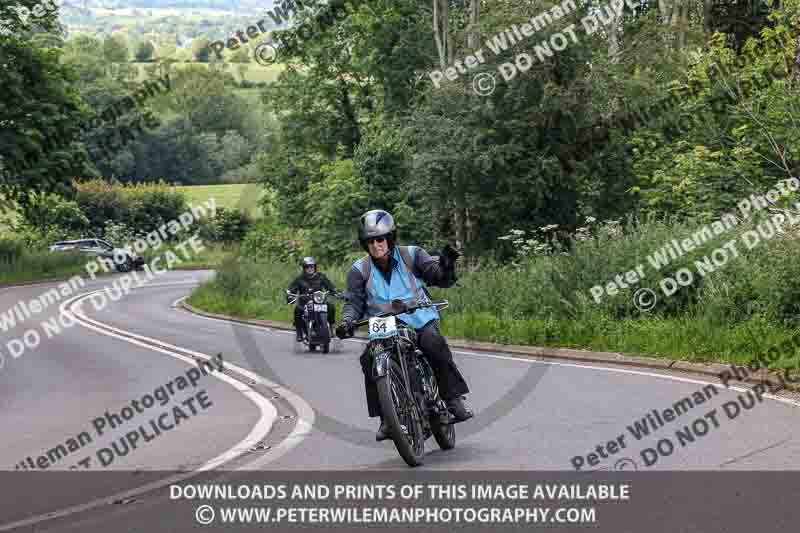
(526, 359)
(306, 416)
(260, 430)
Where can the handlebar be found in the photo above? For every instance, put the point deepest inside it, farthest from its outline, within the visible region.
(403, 309)
(309, 293)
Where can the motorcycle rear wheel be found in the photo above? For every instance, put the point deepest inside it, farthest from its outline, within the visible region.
(397, 409)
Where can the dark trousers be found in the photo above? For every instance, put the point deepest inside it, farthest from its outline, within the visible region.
(299, 324)
(434, 346)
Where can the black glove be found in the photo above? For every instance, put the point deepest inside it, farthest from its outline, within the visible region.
(451, 254)
(447, 262)
(346, 329)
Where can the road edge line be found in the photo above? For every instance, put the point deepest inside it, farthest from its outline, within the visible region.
(587, 356)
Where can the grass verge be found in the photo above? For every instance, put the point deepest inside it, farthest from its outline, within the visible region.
(41, 266)
(256, 290)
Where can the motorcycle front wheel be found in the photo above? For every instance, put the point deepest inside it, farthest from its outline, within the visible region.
(312, 334)
(401, 416)
(325, 336)
(445, 434)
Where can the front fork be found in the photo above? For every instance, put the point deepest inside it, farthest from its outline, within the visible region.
(316, 317)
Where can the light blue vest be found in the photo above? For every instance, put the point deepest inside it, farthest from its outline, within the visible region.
(404, 286)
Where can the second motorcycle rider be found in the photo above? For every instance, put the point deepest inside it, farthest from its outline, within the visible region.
(307, 282)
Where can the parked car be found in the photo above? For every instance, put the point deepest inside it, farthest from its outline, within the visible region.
(101, 248)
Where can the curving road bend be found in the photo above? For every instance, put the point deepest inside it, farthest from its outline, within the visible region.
(277, 408)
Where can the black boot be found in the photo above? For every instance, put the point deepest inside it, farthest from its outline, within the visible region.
(459, 409)
(299, 335)
(383, 432)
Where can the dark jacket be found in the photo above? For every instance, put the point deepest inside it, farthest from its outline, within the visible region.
(425, 267)
(315, 282)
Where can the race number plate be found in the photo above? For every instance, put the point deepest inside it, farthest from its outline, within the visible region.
(381, 328)
(320, 307)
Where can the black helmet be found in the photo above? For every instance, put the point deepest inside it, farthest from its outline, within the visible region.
(309, 261)
(376, 223)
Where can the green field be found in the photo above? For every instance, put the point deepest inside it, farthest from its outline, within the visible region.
(240, 195)
(255, 72)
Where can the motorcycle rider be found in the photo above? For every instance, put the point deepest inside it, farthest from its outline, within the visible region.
(309, 281)
(398, 272)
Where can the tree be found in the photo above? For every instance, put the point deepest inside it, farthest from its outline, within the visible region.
(176, 150)
(115, 49)
(145, 52)
(334, 203)
(740, 19)
(234, 149)
(204, 97)
(41, 116)
(441, 32)
(200, 50)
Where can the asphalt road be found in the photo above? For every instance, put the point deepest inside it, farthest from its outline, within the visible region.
(278, 408)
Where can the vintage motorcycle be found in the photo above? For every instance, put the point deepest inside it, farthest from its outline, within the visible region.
(315, 317)
(407, 390)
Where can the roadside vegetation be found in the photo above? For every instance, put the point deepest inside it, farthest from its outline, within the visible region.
(560, 180)
(739, 310)
(18, 265)
(563, 178)
(120, 214)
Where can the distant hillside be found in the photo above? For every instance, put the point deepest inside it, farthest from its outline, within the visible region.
(180, 21)
(226, 5)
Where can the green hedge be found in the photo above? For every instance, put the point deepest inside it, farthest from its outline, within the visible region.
(144, 207)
